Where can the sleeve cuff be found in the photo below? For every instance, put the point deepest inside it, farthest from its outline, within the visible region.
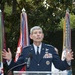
(8, 62)
(69, 63)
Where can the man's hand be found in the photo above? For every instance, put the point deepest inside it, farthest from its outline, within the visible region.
(69, 56)
(7, 54)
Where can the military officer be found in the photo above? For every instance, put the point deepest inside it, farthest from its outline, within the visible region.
(38, 56)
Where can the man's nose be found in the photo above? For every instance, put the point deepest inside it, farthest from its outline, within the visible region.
(38, 33)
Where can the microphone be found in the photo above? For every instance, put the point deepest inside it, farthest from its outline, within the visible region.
(25, 63)
(29, 59)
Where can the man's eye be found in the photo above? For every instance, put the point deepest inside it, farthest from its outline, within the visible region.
(40, 32)
(35, 33)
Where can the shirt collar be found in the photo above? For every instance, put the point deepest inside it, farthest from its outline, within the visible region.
(35, 48)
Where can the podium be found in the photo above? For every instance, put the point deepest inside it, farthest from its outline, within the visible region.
(37, 73)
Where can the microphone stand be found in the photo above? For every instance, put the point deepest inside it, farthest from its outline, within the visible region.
(25, 63)
(15, 67)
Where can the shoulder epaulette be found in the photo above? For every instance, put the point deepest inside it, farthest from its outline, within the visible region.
(49, 45)
(27, 46)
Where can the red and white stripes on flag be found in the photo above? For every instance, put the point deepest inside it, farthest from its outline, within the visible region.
(24, 35)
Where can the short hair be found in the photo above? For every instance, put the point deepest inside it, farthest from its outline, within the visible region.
(35, 28)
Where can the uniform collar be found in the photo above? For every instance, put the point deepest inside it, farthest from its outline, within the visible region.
(35, 48)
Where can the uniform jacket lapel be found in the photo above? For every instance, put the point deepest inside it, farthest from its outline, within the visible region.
(33, 52)
(41, 54)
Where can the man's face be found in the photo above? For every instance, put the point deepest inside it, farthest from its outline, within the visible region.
(37, 35)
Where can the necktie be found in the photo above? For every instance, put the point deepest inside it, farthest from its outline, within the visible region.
(37, 55)
(37, 50)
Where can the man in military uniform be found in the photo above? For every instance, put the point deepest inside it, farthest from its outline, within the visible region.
(38, 56)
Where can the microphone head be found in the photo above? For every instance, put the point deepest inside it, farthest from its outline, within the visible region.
(30, 55)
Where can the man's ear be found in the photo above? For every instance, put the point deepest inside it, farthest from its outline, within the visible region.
(30, 36)
(43, 35)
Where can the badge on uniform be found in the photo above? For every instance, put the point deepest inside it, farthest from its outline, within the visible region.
(47, 50)
(47, 55)
(47, 62)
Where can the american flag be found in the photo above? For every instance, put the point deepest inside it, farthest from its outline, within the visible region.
(24, 35)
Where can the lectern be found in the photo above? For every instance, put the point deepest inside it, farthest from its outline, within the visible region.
(37, 73)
